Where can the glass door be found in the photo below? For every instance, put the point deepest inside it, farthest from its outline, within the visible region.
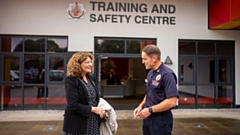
(187, 81)
(224, 91)
(11, 91)
(56, 68)
(55, 85)
(97, 72)
(205, 81)
(206, 72)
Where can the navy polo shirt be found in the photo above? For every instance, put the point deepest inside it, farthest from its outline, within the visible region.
(161, 84)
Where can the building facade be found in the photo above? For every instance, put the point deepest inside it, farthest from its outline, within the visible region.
(201, 45)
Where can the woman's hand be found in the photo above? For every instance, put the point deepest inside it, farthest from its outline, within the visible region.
(99, 110)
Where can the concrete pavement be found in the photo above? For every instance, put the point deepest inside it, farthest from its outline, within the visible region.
(45, 115)
(186, 122)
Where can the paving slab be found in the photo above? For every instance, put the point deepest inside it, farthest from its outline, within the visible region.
(186, 122)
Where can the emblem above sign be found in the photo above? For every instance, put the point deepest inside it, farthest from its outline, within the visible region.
(76, 11)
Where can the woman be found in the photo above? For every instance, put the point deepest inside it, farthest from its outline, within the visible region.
(82, 116)
(111, 78)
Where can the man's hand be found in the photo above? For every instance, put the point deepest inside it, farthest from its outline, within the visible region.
(136, 111)
(144, 113)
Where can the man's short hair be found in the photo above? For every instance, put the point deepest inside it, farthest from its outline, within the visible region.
(151, 50)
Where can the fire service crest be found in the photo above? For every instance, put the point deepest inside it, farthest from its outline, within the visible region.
(76, 10)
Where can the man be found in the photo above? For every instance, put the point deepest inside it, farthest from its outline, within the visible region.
(161, 94)
(40, 79)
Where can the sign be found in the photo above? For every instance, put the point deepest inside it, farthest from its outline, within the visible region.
(122, 12)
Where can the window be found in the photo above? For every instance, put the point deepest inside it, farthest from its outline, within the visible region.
(57, 45)
(33, 67)
(11, 44)
(206, 65)
(121, 45)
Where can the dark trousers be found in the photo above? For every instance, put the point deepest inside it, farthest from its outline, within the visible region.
(158, 124)
(40, 92)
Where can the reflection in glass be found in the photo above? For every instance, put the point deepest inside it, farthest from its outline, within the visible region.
(224, 96)
(57, 45)
(109, 46)
(206, 48)
(206, 70)
(187, 47)
(56, 66)
(40, 80)
(56, 97)
(11, 44)
(187, 95)
(225, 48)
(205, 96)
(31, 101)
(34, 45)
(186, 69)
(224, 70)
(32, 64)
(12, 97)
(214, 67)
(11, 68)
(133, 46)
(136, 46)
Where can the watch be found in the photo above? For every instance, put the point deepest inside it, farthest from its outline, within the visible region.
(150, 110)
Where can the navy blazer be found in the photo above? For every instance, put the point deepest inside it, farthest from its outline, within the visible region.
(77, 110)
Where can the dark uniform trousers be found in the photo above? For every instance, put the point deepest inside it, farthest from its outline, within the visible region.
(158, 124)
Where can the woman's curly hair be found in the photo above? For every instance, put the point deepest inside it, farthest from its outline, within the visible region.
(73, 66)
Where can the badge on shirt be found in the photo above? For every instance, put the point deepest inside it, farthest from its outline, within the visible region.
(158, 77)
(155, 83)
